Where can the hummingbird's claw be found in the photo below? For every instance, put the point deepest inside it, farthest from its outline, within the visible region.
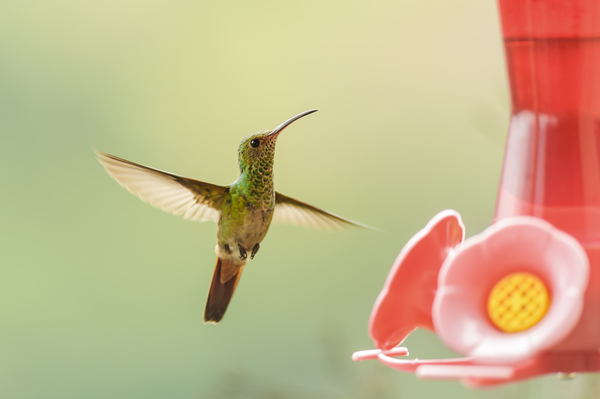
(254, 251)
(243, 254)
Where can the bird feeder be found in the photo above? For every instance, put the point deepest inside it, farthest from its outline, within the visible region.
(522, 298)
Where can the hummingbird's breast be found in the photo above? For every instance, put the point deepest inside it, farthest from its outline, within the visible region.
(244, 222)
(255, 228)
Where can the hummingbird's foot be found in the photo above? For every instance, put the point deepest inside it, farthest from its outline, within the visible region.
(243, 254)
(254, 251)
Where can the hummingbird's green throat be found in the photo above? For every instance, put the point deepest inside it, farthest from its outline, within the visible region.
(243, 210)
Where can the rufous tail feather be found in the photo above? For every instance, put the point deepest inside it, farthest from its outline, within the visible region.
(220, 293)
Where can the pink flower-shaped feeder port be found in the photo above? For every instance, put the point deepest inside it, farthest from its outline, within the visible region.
(441, 285)
(406, 300)
(513, 245)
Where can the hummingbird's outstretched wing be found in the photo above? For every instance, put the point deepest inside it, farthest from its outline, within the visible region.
(291, 211)
(195, 200)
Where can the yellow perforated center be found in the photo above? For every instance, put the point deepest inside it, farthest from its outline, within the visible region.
(517, 302)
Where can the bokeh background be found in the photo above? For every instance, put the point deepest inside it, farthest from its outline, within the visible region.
(101, 295)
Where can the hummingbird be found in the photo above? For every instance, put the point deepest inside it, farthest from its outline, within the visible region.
(242, 210)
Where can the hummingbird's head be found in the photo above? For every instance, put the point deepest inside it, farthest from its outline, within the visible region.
(258, 149)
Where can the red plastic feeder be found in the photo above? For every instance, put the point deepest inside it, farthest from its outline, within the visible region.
(522, 298)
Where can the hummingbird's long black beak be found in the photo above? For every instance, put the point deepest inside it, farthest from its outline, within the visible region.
(285, 124)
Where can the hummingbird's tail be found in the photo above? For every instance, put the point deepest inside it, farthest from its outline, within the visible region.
(220, 293)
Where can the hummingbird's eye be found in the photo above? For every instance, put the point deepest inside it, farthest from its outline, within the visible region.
(255, 143)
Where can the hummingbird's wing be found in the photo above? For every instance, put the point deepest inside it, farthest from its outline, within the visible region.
(195, 200)
(291, 211)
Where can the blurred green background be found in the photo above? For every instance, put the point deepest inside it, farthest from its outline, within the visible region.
(101, 295)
